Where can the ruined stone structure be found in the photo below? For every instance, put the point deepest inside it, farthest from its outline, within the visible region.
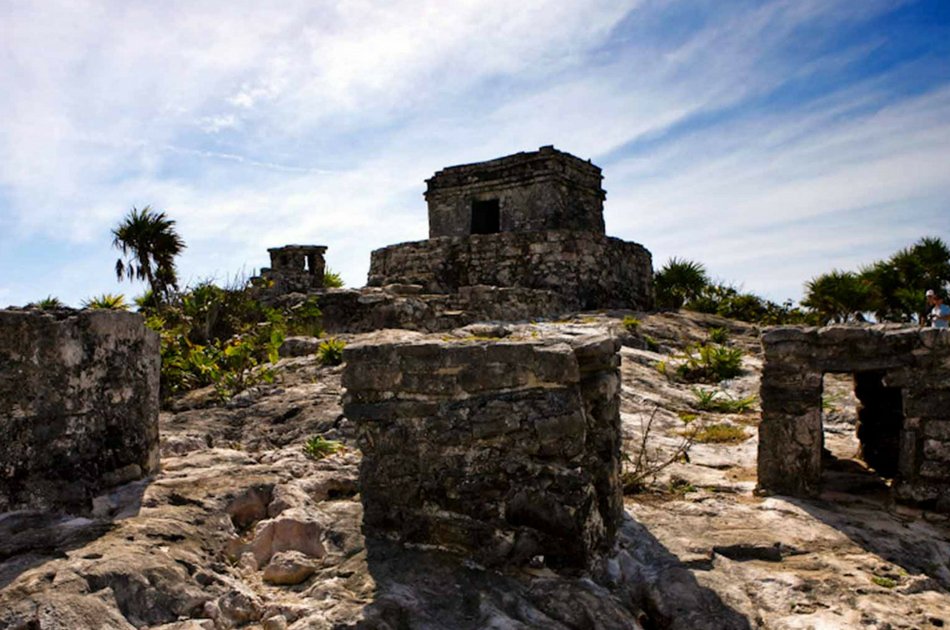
(902, 380)
(499, 450)
(529, 220)
(294, 269)
(78, 405)
(525, 192)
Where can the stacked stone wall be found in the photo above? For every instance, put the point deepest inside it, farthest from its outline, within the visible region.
(541, 190)
(915, 361)
(592, 270)
(501, 451)
(78, 405)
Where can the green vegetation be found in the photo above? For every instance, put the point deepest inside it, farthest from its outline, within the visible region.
(223, 336)
(109, 301)
(718, 335)
(318, 447)
(678, 282)
(149, 244)
(884, 582)
(652, 344)
(332, 279)
(720, 433)
(720, 402)
(892, 289)
(49, 303)
(330, 351)
(708, 363)
(631, 323)
(687, 417)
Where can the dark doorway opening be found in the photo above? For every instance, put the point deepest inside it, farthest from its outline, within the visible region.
(486, 217)
(861, 425)
(880, 419)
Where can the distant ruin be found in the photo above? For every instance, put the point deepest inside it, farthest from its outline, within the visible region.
(294, 269)
(78, 405)
(902, 380)
(529, 220)
(500, 450)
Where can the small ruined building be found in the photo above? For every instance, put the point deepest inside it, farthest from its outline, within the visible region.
(902, 381)
(530, 220)
(293, 269)
(78, 406)
(501, 451)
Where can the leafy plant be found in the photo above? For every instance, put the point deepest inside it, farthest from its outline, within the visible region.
(708, 363)
(718, 335)
(631, 323)
(330, 351)
(318, 447)
(305, 318)
(884, 582)
(719, 433)
(678, 282)
(652, 344)
(149, 244)
(720, 401)
(49, 303)
(109, 301)
(332, 279)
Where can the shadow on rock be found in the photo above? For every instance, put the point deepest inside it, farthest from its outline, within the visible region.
(856, 502)
(641, 586)
(28, 539)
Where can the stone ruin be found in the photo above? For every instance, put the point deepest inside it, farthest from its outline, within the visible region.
(78, 406)
(499, 450)
(902, 381)
(294, 269)
(530, 220)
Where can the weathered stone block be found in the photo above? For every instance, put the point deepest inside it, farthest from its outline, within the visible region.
(78, 405)
(524, 460)
(901, 377)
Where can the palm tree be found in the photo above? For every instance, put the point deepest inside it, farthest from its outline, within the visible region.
(678, 282)
(836, 296)
(149, 244)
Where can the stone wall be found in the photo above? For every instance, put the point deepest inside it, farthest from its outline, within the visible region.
(405, 306)
(501, 451)
(293, 268)
(592, 270)
(78, 405)
(540, 190)
(898, 370)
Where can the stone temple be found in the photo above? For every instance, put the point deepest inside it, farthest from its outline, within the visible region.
(530, 220)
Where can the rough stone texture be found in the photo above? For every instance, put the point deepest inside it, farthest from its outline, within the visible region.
(902, 379)
(591, 270)
(294, 268)
(78, 405)
(541, 190)
(500, 451)
(364, 310)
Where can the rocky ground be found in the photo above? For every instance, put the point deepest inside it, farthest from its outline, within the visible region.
(242, 529)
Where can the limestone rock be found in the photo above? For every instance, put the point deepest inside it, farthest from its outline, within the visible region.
(289, 567)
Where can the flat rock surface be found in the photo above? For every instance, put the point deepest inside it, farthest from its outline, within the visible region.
(191, 547)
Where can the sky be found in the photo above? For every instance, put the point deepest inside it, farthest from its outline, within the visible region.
(769, 140)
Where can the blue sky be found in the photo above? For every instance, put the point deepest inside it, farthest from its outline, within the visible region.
(772, 141)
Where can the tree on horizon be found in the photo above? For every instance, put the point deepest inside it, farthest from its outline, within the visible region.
(149, 244)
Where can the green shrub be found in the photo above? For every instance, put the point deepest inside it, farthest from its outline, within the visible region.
(884, 582)
(49, 303)
(720, 433)
(718, 335)
(305, 318)
(719, 401)
(332, 279)
(709, 363)
(631, 323)
(652, 344)
(108, 301)
(318, 447)
(330, 351)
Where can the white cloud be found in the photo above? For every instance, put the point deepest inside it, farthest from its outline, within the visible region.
(256, 125)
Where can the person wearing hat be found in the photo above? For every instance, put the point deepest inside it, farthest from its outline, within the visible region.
(940, 313)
